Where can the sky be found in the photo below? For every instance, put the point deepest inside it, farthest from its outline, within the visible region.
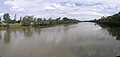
(79, 9)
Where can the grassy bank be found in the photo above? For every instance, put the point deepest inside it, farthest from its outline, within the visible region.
(12, 26)
(31, 22)
(19, 26)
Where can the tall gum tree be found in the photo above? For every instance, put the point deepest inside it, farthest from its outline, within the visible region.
(6, 18)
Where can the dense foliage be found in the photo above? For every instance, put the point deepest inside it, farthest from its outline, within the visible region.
(26, 21)
(113, 20)
(0, 20)
(6, 18)
(31, 21)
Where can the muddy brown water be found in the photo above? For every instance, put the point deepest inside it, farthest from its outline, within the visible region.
(77, 40)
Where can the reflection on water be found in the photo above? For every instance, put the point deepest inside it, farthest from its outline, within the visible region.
(78, 40)
(114, 31)
(28, 32)
(0, 35)
(7, 36)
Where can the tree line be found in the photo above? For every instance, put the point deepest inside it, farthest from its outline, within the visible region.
(35, 22)
(113, 20)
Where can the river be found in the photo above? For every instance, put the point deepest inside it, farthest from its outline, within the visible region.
(77, 40)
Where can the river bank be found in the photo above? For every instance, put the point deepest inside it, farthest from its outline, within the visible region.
(12, 26)
(19, 26)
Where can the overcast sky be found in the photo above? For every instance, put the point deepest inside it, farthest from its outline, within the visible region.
(79, 9)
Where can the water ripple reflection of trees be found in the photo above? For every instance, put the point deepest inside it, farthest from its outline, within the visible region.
(115, 31)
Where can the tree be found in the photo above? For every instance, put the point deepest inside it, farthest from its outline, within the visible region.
(39, 19)
(44, 19)
(65, 19)
(49, 18)
(27, 20)
(19, 21)
(6, 18)
(14, 21)
(57, 19)
(0, 20)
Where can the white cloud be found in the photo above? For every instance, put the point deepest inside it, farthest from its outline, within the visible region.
(14, 5)
(53, 8)
(57, 6)
(1, 14)
(87, 13)
(16, 8)
(49, 7)
(8, 2)
(68, 4)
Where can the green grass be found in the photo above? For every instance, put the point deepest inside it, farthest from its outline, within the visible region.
(12, 26)
(19, 26)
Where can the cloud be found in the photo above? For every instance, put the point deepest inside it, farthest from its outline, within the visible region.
(16, 8)
(1, 14)
(88, 9)
(86, 13)
(49, 7)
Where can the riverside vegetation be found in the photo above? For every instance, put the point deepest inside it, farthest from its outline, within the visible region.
(111, 21)
(31, 21)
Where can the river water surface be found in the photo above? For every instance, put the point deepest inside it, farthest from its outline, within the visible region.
(77, 40)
